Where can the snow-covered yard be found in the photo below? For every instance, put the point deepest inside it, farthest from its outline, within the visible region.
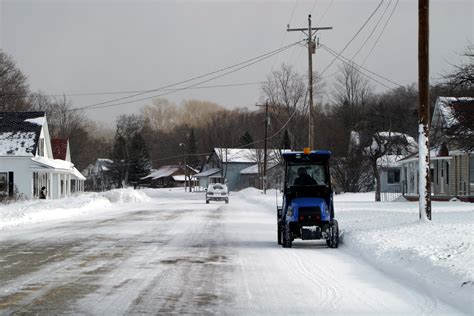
(429, 265)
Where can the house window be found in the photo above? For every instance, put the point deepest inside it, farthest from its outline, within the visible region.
(393, 176)
(471, 172)
(41, 147)
(3, 183)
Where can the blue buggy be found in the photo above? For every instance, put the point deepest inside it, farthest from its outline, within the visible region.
(307, 211)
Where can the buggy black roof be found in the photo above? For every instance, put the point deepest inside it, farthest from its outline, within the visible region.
(301, 157)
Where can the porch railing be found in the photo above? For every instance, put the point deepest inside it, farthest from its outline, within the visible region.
(391, 194)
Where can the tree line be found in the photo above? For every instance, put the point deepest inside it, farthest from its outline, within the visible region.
(164, 132)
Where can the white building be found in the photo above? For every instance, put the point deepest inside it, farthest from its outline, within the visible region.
(452, 168)
(26, 159)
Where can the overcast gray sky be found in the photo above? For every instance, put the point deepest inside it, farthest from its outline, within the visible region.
(108, 46)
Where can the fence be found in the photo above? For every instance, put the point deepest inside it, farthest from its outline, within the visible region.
(391, 194)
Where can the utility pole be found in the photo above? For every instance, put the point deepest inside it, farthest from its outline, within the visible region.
(267, 122)
(424, 180)
(311, 51)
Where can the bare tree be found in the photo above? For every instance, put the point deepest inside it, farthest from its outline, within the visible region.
(463, 75)
(161, 114)
(194, 113)
(350, 94)
(13, 86)
(286, 91)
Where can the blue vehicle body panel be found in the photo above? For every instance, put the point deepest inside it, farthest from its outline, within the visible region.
(307, 202)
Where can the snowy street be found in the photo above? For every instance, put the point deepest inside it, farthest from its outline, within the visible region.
(175, 254)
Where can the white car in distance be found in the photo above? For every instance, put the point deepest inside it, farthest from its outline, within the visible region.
(217, 192)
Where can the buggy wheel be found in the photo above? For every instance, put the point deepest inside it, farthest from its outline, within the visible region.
(333, 240)
(287, 237)
(227, 201)
(207, 201)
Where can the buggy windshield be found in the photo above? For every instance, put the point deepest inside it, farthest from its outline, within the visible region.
(300, 174)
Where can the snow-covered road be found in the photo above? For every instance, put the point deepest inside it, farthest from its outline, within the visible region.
(175, 254)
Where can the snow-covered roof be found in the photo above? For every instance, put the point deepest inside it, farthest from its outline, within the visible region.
(254, 168)
(77, 174)
(36, 120)
(434, 155)
(17, 143)
(105, 160)
(20, 132)
(412, 143)
(446, 108)
(56, 164)
(207, 173)
(162, 172)
(242, 155)
(389, 161)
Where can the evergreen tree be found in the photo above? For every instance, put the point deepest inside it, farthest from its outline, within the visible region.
(286, 142)
(140, 163)
(119, 168)
(193, 160)
(246, 141)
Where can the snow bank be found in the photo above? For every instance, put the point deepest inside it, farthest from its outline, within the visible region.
(128, 195)
(436, 256)
(38, 211)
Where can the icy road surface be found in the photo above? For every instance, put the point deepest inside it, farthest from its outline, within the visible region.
(176, 254)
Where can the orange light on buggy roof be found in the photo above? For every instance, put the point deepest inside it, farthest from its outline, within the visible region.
(306, 150)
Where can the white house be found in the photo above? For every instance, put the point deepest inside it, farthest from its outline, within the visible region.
(452, 168)
(401, 145)
(27, 162)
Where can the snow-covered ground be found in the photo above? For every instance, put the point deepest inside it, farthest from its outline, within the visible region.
(437, 257)
(413, 267)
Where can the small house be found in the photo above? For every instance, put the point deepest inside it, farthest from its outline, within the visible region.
(169, 176)
(26, 159)
(226, 164)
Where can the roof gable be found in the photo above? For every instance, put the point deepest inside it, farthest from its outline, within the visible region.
(59, 147)
(20, 132)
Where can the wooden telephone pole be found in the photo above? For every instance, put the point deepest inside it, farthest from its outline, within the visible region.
(311, 50)
(424, 182)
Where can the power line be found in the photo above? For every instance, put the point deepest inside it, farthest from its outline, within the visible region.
(353, 37)
(326, 11)
(373, 30)
(314, 6)
(380, 35)
(284, 33)
(352, 63)
(128, 92)
(266, 56)
(191, 79)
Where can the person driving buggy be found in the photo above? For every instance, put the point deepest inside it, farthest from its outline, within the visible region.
(304, 178)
